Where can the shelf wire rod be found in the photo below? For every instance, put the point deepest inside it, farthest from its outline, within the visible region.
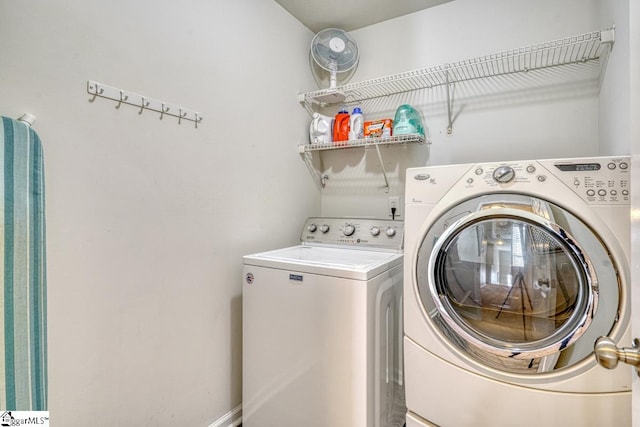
(477, 70)
(572, 53)
(598, 48)
(584, 52)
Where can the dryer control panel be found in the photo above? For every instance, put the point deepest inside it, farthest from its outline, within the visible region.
(355, 232)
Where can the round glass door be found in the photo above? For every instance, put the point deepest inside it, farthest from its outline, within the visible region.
(510, 280)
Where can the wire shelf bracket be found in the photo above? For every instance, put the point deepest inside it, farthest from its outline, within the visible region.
(306, 150)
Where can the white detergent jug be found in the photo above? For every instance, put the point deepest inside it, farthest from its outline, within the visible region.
(320, 129)
(356, 125)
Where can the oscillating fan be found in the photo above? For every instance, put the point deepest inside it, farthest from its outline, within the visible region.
(333, 59)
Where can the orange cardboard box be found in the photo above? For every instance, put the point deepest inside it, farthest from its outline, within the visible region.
(378, 128)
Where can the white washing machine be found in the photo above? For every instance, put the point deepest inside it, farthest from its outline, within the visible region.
(512, 271)
(322, 328)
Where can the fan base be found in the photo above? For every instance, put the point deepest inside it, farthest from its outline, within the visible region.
(330, 98)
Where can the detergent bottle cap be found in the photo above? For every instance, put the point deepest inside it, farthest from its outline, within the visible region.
(343, 111)
(357, 110)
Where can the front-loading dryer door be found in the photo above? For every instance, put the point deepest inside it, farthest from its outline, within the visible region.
(517, 283)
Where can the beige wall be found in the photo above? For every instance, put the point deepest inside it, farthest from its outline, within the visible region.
(147, 220)
(614, 117)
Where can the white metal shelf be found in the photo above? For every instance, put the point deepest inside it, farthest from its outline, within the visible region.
(578, 49)
(368, 142)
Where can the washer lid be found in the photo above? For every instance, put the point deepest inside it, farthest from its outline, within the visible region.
(328, 261)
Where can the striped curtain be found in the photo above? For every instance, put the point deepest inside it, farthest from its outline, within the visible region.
(23, 298)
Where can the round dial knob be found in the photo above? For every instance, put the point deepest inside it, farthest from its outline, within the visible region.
(324, 228)
(348, 230)
(504, 174)
(312, 227)
(391, 232)
(375, 231)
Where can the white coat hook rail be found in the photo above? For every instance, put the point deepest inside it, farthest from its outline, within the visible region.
(142, 102)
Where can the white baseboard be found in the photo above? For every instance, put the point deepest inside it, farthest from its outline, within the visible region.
(232, 418)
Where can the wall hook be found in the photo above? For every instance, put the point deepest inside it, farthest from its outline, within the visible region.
(94, 89)
(181, 115)
(123, 97)
(143, 104)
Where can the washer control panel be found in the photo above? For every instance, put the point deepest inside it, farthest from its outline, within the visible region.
(365, 232)
(597, 180)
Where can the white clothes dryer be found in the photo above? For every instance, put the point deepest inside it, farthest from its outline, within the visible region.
(322, 328)
(512, 271)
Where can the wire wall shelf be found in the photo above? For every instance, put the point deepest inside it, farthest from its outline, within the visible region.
(413, 138)
(578, 49)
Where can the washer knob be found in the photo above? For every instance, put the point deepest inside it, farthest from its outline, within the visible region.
(312, 228)
(504, 174)
(348, 230)
(324, 228)
(391, 232)
(375, 231)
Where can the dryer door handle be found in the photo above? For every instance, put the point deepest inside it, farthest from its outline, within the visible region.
(608, 355)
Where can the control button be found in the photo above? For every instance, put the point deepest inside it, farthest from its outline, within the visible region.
(542, 178)
(625, 192)
(613, 192)
(391, 232)
(348, 230)
(312, 228)
(375, 231)
(504, 174)
(576, 182)
(624, 165)
(531, 169)
(591, 193)
(602, 192)
(469, 180)
(324, 228)
(611, 166)
(479, 171)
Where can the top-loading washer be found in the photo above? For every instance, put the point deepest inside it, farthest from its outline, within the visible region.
(322, 328)
(512, 271)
